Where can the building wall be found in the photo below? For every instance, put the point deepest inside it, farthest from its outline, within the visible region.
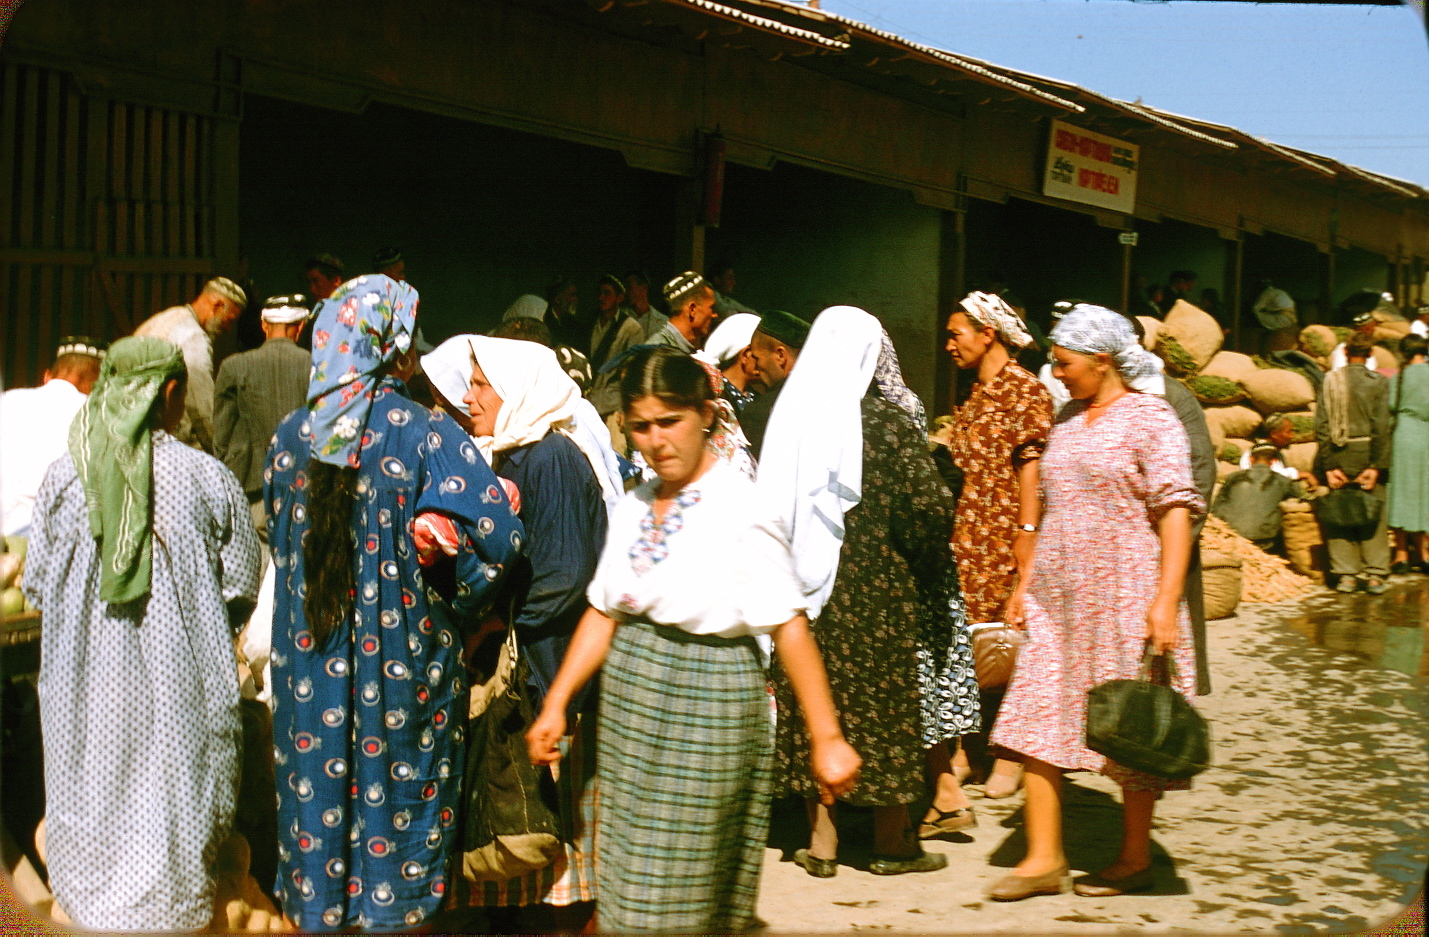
(803, 240)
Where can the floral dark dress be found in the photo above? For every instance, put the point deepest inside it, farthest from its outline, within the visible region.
(892, 633)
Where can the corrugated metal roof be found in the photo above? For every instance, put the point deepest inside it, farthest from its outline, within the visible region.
(761, 22)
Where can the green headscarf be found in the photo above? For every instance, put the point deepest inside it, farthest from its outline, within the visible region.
(113, 450)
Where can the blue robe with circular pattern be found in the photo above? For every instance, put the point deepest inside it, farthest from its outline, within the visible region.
(368, 728)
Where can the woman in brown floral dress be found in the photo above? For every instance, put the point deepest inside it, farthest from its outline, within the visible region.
(998, 436)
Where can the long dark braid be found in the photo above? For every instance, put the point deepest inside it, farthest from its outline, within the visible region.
(329, 549)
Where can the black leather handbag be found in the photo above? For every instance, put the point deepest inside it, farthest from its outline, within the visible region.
(1350, 507)
(1147, 725)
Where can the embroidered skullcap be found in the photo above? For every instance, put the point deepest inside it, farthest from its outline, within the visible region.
(989, 309)
(613, 281)
(80, 345)
(325, 262)
(1093, 330)
(229, 290)
(786, 327)
(682, 287)
(386, 257)
(1363, 318)
(285, 310)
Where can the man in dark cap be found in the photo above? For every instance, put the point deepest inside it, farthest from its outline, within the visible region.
(255, 390)
(324, 273)
(36, 423)
(775, 347)
(388, 262)
(562, 316)
(613, 332)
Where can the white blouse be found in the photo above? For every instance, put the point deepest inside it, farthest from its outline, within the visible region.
(710, 569)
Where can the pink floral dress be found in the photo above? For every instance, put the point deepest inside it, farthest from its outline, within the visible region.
(1104, 489)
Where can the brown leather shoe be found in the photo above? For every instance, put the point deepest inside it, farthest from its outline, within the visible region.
(1016, 887)
(1097, 885)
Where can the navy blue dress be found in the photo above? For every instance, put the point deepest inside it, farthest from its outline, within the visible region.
(368, 730)
(565, 518)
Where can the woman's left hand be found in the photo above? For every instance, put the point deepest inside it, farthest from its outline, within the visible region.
(836, 767)
(1162, 626)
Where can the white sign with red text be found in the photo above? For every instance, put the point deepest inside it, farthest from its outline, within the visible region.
(1087, 167)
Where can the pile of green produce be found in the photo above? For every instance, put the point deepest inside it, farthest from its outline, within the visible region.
(12, 564)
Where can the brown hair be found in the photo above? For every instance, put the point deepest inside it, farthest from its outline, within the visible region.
(1359, 345)
(329, 550)
(674, 377)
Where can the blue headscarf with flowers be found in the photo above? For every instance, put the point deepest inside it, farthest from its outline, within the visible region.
(362, 327)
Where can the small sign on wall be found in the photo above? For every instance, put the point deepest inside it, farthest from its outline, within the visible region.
(1087, 167)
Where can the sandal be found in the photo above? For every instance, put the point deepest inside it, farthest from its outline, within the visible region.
(946, 821)
(1000, 784)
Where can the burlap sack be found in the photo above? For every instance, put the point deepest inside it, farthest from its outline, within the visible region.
(1213, 425)
(1231, 365)
(1384, 360)
(1304, 423)
(1152, 327)
(1318, 341)
(1238, 422)
(1276, 390)
(1300, 456)
(1221, 581)
(1197, 331)
(1304, 545)
(1215, 391)
(1390, 331)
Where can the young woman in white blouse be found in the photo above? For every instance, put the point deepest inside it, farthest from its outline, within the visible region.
(688, 577)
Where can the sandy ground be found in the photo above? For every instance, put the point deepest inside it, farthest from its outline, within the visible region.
(1313, 819)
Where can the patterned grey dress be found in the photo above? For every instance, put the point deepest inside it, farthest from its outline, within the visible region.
(139, 701)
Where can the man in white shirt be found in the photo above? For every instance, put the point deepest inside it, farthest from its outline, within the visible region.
(1420, 325)
(1362, 322)
(193, 327)
(34, 424)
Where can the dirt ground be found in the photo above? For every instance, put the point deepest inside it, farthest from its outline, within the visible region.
(1312, 820)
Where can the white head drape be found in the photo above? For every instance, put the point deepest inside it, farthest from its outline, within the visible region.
(811, 468)
(537, 397)
(1091, 330)
(728, 339)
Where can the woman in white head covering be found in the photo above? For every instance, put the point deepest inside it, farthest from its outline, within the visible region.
(848, 481)
(1106, 583)
(727, 349)
(521, 408)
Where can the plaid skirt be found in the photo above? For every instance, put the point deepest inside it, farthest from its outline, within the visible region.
(684, 766)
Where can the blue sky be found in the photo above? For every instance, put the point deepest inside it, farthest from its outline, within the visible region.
(1351, 82)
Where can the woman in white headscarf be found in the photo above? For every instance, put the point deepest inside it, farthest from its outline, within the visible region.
(1107, 581)
(849, 482)
(727, 349)
(522, 410)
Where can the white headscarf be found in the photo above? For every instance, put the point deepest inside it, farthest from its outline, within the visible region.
(728, 339)
(528, 306)
(1091, 330)
(537, 396)
(811, 469)
(991, 310)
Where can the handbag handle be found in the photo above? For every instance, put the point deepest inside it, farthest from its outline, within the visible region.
(1165, 674)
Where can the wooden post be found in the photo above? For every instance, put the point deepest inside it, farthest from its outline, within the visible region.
(1238, 269)
(1328, 302)
(1126, 268)
(952, 286)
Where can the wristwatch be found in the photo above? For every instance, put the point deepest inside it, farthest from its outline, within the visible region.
(1030, 528)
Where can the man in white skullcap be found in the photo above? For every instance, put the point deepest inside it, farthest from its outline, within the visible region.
(255, 390)
(193, 327)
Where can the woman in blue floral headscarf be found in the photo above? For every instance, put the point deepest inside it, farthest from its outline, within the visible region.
(366, 666)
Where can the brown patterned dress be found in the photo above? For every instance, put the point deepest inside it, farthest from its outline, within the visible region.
(1003, 424)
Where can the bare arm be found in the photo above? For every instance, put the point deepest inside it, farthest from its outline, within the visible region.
(1174, 530)
(584, 657)
(834, 761)
(1024, 542)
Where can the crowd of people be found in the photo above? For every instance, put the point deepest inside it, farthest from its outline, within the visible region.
(522, 604)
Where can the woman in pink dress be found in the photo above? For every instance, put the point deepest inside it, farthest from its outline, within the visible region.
(1107, 578)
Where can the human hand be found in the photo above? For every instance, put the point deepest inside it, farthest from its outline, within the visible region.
(1161, 625)
(434, 535)
(1014, 613)
(836, 767)
(1368, 478)
(1336, 478)
(544, 737)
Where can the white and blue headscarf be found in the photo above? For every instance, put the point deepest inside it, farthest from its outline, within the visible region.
(1092, 330)
(358, 331)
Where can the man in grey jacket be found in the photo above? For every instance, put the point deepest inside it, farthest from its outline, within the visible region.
(255, 390)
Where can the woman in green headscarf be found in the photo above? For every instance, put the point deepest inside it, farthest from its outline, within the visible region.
(144, 563)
